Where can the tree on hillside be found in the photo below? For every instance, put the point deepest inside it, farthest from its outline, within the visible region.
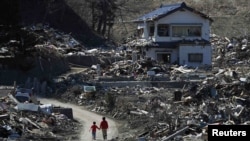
(103, 15)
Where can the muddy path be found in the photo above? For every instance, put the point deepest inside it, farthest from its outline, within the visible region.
(86, 118)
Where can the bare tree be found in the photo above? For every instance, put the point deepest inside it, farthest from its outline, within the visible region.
(103, 15)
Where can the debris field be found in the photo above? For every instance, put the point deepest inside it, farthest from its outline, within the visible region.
(173, 103)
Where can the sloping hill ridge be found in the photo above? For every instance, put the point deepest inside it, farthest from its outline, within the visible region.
(55, 13)
(231, 17)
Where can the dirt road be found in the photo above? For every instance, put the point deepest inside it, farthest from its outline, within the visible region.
(86, 118)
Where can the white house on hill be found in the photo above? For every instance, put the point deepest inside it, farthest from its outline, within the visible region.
(177, 34)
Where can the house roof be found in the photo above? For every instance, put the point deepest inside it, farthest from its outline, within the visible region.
(165, 10)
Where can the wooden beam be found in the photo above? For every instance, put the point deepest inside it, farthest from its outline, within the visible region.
(181, 131)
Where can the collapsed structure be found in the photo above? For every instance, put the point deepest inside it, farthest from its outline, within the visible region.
(34, 121)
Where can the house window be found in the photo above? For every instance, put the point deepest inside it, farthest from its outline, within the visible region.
(195, 57)
(163, 29)
(186, 31)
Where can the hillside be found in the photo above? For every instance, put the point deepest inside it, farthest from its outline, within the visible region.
(55, 13)
(231, 17)
(84, 19)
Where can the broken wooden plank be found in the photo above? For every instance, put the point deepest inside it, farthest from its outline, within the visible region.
(181, 131)
(13, 98)
(33, 123)
(5, 116)
(135, 113)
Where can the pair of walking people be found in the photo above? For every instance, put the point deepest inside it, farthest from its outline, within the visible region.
(103, 126)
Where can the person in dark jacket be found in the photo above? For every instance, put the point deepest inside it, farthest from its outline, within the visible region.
(104, 127)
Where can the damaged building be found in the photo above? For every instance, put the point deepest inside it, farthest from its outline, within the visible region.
(175, 34)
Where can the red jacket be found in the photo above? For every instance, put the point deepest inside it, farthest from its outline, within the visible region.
(104, 125)
(94, 127)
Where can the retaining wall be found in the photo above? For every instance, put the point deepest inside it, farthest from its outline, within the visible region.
(165, 84)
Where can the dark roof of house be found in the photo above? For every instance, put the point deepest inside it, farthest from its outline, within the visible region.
(165, 10)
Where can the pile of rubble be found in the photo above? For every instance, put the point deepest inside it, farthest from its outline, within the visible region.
(157, 113)
(35, 121)
(42, 51)
(230, 52)
(161, 113)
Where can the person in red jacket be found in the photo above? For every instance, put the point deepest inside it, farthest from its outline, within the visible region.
(104, 126)
(93, 128)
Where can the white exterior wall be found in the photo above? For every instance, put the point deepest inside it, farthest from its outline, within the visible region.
(182, 17)
(145, 31)
(186, 49)
(152, 53)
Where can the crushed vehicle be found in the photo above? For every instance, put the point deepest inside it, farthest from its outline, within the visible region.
(25, 95)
